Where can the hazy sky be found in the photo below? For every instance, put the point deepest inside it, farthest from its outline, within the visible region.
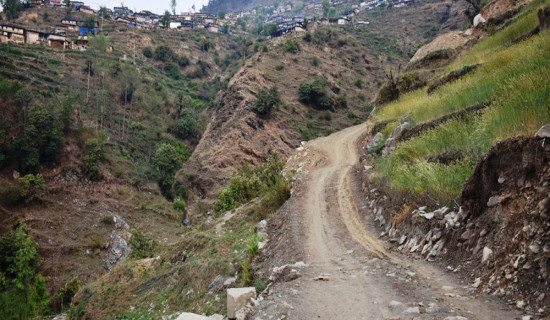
(157, 6)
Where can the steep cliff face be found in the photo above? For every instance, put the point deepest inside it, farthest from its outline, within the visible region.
(237, 135)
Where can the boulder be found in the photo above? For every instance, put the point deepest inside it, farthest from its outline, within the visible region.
(487, 255)
(216, 284)
(237, 298)
(375, 142)
(543, 132)
(478, 20)
(396, 134)
(119, 250)
(191, 316)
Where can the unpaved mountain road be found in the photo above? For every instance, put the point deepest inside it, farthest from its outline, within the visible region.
(362, 277)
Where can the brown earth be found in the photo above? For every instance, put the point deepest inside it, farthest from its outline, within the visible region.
(350, 272)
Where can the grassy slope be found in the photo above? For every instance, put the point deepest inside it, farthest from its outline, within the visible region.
(513, 77)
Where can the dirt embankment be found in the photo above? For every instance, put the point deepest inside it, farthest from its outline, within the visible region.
(498, 238)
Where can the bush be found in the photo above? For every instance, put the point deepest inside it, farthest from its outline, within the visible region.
(267, 100)
(308, 37)
(315, 93)
(167, 161)
(148, 52)
(41, 141)
(32, 187)
(164, 54)
(142, 244)
(94, 149)
(187, 124)
(246, 184)
(315, 61)
(65, 294)
(292, 45)
(183, 61)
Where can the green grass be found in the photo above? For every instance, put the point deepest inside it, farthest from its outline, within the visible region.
(514, 78)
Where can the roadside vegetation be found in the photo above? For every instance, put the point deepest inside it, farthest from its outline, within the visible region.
(512, 79)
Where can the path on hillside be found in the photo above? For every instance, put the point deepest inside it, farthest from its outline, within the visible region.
(366, 280)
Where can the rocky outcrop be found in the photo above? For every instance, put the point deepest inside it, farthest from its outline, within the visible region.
(500, 234)
(237, 298)
(396, 134)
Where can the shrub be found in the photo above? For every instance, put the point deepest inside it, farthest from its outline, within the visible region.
(32, 187)
(142, 244)
(94, 153)
(315, 61)
(308, 37)
(164, 54)
(41, 141)
(315, 93)
(279, 67)
(267, 100)
(180, 207)
(342, 100)
(148, 52)
(183, 61)
(65, 294)
(187, 124)
(107, 220)
(167, 161)
(292, 45)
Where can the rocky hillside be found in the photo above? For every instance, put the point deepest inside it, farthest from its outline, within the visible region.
(457, 171)
(349, 58)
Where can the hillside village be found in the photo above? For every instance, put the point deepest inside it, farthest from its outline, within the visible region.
(72, 33)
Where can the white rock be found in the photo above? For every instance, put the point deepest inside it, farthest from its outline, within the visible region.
(487, 255)
(456, 318)
(216, 317)
(412, 310)
(479, 19)
(526, 318)
(237, 298)
(520, 304)
(534, 248)
(191, 316)
(477, 282)
(394, 304)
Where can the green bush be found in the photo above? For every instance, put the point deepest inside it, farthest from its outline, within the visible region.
(315, 93)
(94, 154)
(65, 294)
(31, 187)
(142, 244)
(267, 100)
(164, 54)
(187, 124)
(292, 45)
(167, 161)
(247, 184)
(315, 61)
(148, 52)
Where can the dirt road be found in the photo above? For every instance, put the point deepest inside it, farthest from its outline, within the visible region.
(358, 275)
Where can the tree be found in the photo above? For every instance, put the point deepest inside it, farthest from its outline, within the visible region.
(23, 294)
(267, 100)
(67, 4)
(167, 161)
(173, 5)
(41, 140)
(221, 15)
(187, 124)
(11, 8)
(326, 7)
(103, 13)
(165, 20)
(94, 155)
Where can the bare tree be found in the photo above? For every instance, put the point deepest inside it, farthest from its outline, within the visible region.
(173, 5)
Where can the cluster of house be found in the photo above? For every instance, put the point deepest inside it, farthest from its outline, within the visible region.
(11, 33)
